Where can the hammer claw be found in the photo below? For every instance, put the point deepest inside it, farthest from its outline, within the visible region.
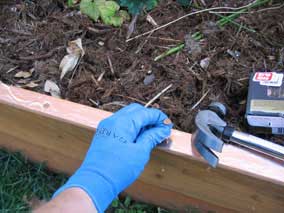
(209, 140)
(209, 128)
(207, 154)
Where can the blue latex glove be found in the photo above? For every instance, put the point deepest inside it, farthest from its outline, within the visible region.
(119, 152)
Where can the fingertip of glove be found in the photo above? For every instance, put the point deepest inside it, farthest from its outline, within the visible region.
(167, 121)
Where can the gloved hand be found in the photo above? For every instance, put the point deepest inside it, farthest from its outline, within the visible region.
(119, 151)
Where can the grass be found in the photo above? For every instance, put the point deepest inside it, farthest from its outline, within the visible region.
(22, 181)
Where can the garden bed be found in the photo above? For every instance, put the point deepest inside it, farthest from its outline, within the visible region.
(112, 73)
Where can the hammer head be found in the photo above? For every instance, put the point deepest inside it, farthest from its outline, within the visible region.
(207, 136)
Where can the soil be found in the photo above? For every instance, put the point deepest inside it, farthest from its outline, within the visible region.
(34, 35)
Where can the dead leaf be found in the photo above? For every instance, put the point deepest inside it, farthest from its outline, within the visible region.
(32, 84)
(24, 74)
(75, 52)
(52, 88)
(76, 47)
(68, 63)
(23, 81)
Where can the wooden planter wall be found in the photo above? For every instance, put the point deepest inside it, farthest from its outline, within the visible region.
(59, 132)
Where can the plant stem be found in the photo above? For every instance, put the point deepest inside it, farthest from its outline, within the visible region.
(196, 36)
(170, 51)
(237, 24)
(227, 19)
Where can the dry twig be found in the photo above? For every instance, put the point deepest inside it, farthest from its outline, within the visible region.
(200, 100)
(12, 69)
(101, 76)
(158, 95)
(110, 64)
(93, 102)
(250, 12)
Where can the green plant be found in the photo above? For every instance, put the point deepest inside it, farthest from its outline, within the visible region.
(70, 3)
(136, 6)
(22, 181)
(196, 36)
(108, 11)
(129, 206)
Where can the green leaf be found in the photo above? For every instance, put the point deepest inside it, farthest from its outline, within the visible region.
(116, 21)
(124, 15)
(107, 8)
(151, 4)
(108, 11)
(89, 8)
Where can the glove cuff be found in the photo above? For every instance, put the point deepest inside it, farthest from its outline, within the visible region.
(99, 189)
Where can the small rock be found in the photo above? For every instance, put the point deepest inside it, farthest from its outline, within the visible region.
(234, 53)
(149, 79)
(237, 53)
(101, 43)
(204, 63)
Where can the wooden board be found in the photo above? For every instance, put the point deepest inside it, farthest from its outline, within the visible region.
(59, 132)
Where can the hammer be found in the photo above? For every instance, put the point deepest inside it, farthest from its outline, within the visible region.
(212, 132)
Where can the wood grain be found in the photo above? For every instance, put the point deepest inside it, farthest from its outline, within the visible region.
(59, 132)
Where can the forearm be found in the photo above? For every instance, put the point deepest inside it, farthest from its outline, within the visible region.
(70, 200)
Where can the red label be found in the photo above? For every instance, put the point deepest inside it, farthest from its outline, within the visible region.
(263, 76)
